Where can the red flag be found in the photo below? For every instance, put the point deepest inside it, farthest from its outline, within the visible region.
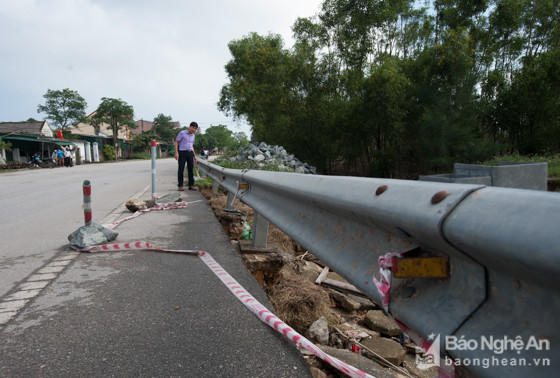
(59, 134)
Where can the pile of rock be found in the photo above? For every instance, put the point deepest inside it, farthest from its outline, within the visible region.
(265, 155)
(371, 342)
(356, 331)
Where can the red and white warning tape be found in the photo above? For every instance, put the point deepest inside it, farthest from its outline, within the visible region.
(243, 295)
(384, 287)
(158, 206)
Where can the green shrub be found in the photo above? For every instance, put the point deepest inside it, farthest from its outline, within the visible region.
(109, 152)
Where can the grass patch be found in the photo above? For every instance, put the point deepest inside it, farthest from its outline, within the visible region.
(552, 160)
(204, 183)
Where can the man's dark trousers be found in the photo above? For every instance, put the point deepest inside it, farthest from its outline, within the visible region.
(188, 157)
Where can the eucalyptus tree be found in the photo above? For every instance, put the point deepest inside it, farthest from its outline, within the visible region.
(519, 91)
(394, 87)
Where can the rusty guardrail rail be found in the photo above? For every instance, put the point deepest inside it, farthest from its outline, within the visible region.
(498, 310)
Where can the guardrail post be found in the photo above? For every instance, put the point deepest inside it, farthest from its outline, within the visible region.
(260, 230)
(230, 205)
(215, 187)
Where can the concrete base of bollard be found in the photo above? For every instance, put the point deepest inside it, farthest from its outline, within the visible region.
(94, 234)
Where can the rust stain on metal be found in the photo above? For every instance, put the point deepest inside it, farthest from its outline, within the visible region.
(359, 235)
(340, 226)
(439, 196)
(381, 189)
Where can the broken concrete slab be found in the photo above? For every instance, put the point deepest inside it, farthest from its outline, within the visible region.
(386, 348)
(378, 321)
(363, 363)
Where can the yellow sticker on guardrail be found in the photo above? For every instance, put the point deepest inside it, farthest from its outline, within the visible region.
(420, 267)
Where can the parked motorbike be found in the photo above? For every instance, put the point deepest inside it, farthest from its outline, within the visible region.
(37, 162)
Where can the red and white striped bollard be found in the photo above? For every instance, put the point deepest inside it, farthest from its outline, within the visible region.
(87, 202)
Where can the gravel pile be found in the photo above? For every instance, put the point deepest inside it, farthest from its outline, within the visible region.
(265, 155)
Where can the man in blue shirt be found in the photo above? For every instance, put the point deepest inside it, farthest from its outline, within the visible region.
(184, 152)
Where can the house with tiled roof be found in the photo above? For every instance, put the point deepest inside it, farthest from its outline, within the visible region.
(145, 126)
(38, 128)
(163, 147)
(104, 130)
(29, 138)
(102, 135)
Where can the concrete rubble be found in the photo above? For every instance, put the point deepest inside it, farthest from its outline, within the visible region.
(266, 155)
(135, 204)
(354, 320)
(354, 329)
(94, 234)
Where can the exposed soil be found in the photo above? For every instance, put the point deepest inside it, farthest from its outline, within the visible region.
(290, 287)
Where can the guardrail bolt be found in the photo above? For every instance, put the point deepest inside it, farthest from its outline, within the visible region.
(439, 196)
(381, 189)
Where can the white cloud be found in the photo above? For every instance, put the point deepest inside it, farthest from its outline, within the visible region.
(160, 57)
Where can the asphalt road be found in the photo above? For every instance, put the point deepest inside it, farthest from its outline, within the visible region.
(128, 313)
(40, 207)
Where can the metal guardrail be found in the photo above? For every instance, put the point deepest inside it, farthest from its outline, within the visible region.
(503, 246)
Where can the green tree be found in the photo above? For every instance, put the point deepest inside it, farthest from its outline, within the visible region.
(202, 142)
(117, 114)
(63, 107)
(393, 88)
(255, 92)
(283, 95)
(529, 107)
(220, 137)
(142, 141)
(519, 89)
(241, 139)
(164, 128)
(374, 139)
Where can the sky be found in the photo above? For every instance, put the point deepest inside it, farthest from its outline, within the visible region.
(164, 56)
